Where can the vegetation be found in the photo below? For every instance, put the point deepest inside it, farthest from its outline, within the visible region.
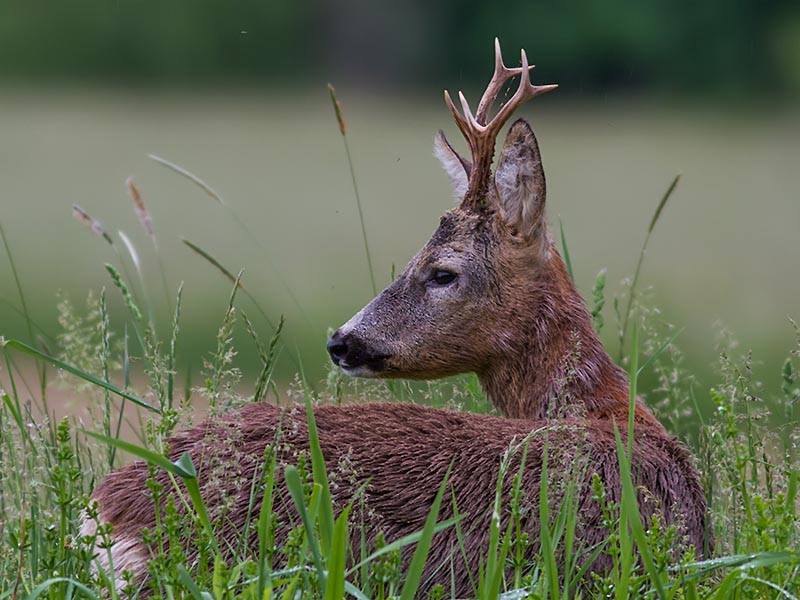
(742, 49)
(746, 450)
(48, 470)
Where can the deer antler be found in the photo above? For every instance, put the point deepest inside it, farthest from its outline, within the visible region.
(480, 132)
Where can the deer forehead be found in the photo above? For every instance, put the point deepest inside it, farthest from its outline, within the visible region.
(459, 232)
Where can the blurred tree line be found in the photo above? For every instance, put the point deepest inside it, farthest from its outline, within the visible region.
(733, 47)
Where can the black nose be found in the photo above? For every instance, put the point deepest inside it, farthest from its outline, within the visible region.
(337, 348)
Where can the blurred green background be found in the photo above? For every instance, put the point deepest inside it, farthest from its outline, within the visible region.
(235, 92)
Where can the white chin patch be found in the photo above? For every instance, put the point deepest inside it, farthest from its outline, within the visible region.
(362, 371)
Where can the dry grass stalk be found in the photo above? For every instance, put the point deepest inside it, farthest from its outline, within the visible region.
(131, 250)
(93, 224)
(338, 109)
(141, 210)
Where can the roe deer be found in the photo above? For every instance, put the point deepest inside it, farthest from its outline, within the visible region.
(490, 294)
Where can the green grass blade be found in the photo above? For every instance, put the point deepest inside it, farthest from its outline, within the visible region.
(173, 343)
(276, 329)
(185, 465)
(402, 542)
(460, 540)
(183, 468)
(291, 590)
(295, 487)
(264, 380)
(629, 506)
(783, 592)
(18, 283)
(354, 591)
(188, 175)
(16, 414)
(155, 458)
(662, 203)
(722, 591)
(242, 224)
(633, 377)
(547, 549)
(36, 324)
(22, 347)
(414, 574)
(632, 517)
(212, 261)
(265, 533)
(689, 589)
(218, 578)
(659, 351)
(496, 580)
(744, 562)
(567, 260)
(187, 581)
(320, 476)
(337, 558)
(46, 586)
(25, 312)
(520, 594)
(495, 565)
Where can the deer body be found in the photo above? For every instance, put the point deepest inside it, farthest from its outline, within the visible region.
(400, 453)
(489, 294)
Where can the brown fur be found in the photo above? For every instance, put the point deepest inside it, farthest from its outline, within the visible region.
(401, 452)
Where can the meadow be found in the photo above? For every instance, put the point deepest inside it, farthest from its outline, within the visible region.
(724, 248)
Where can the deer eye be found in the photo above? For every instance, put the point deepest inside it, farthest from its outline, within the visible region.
(442, 278)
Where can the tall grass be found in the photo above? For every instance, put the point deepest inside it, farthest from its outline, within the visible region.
(746, 450)
(49, 469)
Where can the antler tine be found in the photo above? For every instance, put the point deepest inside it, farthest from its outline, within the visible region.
(524, 92)
(502, 74)
(480, 132)
(460, 120)
(473, 122)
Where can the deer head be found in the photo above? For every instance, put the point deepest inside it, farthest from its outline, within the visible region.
(488, 293)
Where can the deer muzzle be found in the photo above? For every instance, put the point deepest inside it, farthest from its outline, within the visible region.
(353, 356)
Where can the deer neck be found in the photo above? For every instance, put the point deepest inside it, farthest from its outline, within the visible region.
(555, 366)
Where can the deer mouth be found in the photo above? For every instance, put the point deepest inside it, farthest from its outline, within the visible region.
(373, 367)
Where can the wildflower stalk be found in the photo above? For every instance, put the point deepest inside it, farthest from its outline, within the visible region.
(146, 220)
(343, 130)
(642, 252)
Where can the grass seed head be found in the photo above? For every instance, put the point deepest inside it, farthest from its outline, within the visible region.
(141, 210)
(338, 109)
(93, 224)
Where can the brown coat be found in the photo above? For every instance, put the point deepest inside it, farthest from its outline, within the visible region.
(401, 452)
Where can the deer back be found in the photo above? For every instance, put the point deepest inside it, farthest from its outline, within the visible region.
(389, 460)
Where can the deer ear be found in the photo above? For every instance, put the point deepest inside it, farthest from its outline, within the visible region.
(456, 167)
(519, 180)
